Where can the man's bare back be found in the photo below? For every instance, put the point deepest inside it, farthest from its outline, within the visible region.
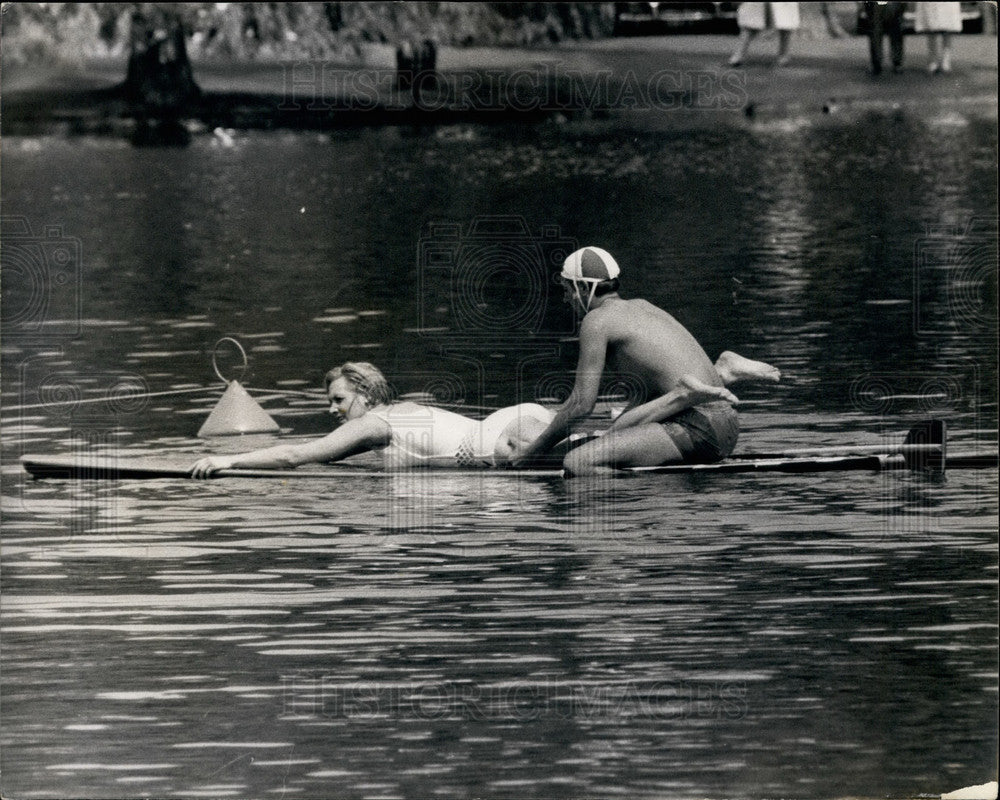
(647, 343)
(680, 409)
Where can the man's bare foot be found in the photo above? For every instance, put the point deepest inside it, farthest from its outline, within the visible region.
(733, 367)
(699, 392)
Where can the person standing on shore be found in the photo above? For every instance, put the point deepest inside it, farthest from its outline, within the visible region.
(833, 26)
(939, 21)
(756, 17)
(885, 18)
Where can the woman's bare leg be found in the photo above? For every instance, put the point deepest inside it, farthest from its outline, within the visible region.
(746, 36)
(946, 52)
(933, 48)
(784, 42)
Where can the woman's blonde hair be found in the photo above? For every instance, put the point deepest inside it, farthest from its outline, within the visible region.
(367, 380)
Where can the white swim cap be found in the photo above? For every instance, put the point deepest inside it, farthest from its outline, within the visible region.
(590, 264)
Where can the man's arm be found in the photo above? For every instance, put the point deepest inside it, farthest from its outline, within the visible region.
(581, 401)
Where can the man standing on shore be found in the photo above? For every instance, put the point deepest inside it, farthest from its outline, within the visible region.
(687, 413)
(885, 18)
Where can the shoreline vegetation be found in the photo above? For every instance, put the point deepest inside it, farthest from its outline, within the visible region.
(324, 50)
(71, 32)
(71, 68)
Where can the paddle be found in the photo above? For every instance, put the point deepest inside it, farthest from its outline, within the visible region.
(923, 448)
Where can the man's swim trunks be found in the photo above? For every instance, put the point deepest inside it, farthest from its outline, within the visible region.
(704, 433)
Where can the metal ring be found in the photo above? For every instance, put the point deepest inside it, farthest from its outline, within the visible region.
(215, 362)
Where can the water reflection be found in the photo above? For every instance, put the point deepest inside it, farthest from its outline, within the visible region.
(482, 635)
(812, 202)
(678, 639)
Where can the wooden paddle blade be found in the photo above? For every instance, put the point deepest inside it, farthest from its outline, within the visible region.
(973, 460)
(927, 432)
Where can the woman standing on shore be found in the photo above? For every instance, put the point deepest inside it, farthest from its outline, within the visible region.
(756, 17)
(939, 21)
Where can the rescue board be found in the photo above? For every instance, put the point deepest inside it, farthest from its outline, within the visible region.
(924, 448)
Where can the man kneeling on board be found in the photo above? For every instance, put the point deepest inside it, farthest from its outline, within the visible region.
(687, 414)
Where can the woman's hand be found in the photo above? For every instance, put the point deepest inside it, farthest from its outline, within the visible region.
(209, 465)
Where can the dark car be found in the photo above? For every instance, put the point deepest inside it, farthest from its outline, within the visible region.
(663, 17)
(972, 18)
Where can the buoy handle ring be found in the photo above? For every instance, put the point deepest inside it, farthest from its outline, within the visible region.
(215, 361)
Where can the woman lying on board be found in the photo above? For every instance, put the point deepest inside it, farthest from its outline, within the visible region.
(407, 433)
(410, 434)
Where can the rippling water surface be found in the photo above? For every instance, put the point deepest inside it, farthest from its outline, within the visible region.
(447, 635)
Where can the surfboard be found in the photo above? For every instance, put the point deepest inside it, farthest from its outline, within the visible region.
(112, 468)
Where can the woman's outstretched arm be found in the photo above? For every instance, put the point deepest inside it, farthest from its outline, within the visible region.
(355, 436)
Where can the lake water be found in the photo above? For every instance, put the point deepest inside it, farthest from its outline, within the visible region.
(485, 636)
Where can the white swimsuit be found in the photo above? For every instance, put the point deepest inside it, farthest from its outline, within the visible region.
(486, 438)
(421, 434)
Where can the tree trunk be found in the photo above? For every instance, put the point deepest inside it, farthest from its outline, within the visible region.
(416, 66)
(159, 83)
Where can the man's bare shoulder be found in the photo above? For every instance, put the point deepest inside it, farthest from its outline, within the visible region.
(622, 312)
(595, 323)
